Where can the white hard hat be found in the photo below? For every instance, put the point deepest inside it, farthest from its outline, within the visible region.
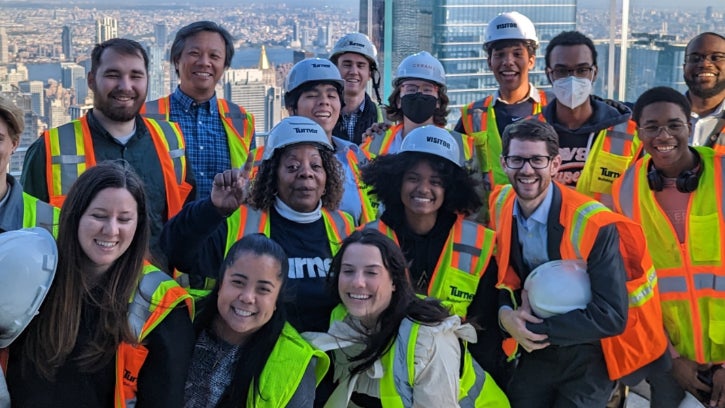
(312, 70)
(690, 401)
(28, 258)
(557, 287)
(294, 130)
(433, 140)
(421, 66)
(510, 26)
(358, 43)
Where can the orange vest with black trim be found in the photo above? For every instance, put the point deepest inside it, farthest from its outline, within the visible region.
(157, 295)
(238, 125)
(479, 121)
(69, 153)
(466, 254)
(644, 339)
(691, 273)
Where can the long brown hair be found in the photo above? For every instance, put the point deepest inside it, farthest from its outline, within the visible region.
(52, 336)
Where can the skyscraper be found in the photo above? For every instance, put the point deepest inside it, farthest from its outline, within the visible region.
(36, 92)
(106, 28)
(4, 57)
(67, 43)
(161, 33)
(156, 73)
(453, 31)
(73, 76)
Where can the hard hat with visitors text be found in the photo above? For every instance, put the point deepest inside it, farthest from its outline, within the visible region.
(510, 26)
(28, 258)
(421, 66)
(432, 140)
(312, 70)
(557, 287)
(358, 43)
(295, 130)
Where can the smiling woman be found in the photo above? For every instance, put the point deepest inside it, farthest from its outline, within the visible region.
(88, 334)
(246, 352)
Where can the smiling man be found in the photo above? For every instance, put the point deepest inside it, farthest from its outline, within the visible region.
(114, 130)
(675, 193)
(568, 358)
(355, 57)
(704, 73)
(218, 132)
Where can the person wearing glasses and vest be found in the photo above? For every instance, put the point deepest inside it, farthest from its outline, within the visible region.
(356, 58)
(18, 209)
(510, 44)
(314, 89)
(218, 133)
(572, 356)
(704, 74)
(114, 130)
(597, 139)
(676, 194)
(426, 197)
(113, 331)
(390, 347)
(293, 199)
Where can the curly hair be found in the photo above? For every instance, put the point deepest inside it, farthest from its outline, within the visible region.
(384, 175)
(395, 114)
(263, 189)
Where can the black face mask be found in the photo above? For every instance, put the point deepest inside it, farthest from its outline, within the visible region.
(418, 107)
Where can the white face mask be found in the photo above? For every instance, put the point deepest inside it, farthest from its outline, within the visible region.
(572, 91)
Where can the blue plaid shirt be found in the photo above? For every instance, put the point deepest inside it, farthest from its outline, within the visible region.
(207, 148)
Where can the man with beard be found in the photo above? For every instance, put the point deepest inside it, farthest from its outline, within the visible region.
(114, 130)
(704, 73)
(571, 351)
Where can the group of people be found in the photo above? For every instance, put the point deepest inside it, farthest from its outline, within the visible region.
(554, 245)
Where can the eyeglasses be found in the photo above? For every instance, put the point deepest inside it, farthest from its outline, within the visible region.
(697, 58)
(518, 162)
(579, 72)
(424, 89)
(672, 129)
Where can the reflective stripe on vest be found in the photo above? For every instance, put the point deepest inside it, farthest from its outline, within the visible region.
(69, 152)
(284, 370)
(238, 125)
(460, 266)
(37, 213)
(691, 274)
(155, 297)
(378, 144)
(643, 339)
(479, 122)
(614, 150)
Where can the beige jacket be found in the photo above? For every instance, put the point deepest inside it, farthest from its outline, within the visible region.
(437, 362)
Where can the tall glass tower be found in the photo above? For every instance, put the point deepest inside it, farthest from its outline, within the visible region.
(453, 31)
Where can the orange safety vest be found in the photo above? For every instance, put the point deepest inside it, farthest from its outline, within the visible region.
(378, 145)
(69, 153)
(238, 125)
(461, 265)
(692, 273)
(613, 151)
(644, 339)
(156, 296)
(245, 220)
(479, 121)
(717, 140)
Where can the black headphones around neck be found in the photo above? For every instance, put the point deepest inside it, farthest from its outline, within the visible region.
(686, 181)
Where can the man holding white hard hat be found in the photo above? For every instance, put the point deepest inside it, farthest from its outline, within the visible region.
(572, 353)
